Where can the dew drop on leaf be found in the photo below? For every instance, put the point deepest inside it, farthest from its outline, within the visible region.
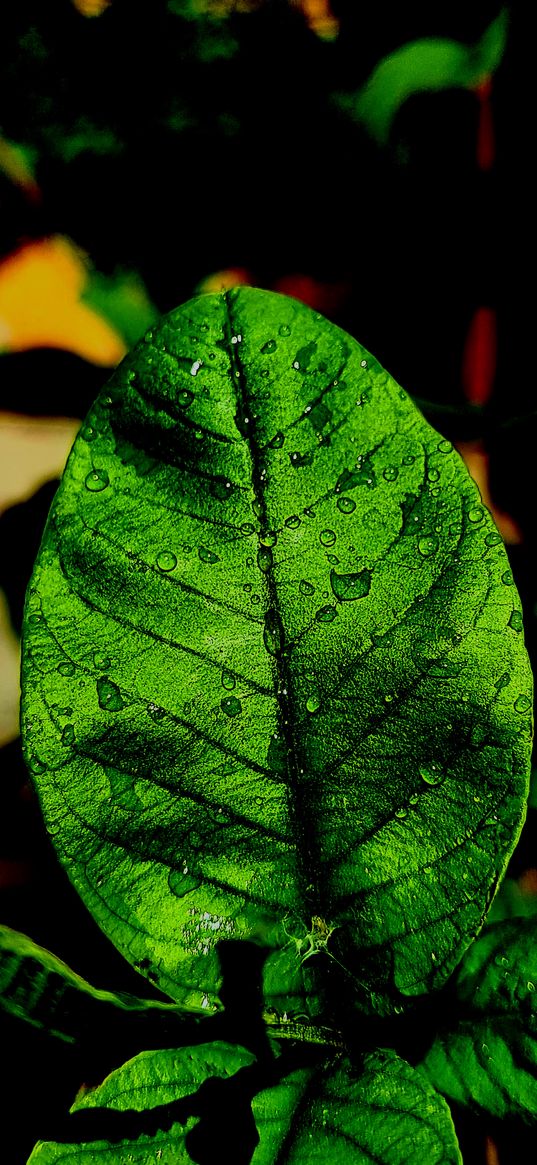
(68, 735)
(493, 539)
(284, 330)
(401, 813)
(206, 555)
(97, 480)
(293, 522)
(516, 621)
(273, 633)
(391, 473)
(66, 669)
(182, 883)
(408, 459)
(228, 680)
(326, 614)
(306, 588)
(503, 681)
(231, 706)
(432, 774)
(109, 695)
(349, 587)
(346, 505)
(166, 560)
(269, 539)
(475, 514)
(264, 559)
(270, 346)
(444, 447)
(507, 578)
(313, 703)
(428, 545)
(277, 440)
(327, 537)
(522, 704)
(185, 398)
(101, 661)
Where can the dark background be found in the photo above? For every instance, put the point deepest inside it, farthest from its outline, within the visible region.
(196, 143)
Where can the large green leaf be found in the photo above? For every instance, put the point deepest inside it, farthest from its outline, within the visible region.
(488, 1058)
(385, 1112)
(38, 987)
(275, 687)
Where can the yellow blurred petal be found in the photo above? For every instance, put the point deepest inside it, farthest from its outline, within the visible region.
(39, 290)
(91, 8)
(33, 450)
(224, 280)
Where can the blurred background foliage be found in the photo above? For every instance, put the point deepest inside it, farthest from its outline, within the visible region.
(371, 161)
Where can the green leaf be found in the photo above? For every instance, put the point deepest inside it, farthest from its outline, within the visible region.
(39, 988)
(488, 1059)
(151, 1080)
(387, 1113)
(272, 690)
(122, 299)
(432, 63)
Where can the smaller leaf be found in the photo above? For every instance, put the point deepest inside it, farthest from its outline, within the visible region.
(333, 1116)
(432, 63)
(150, 1080)
(488, 1059)
(38, 987)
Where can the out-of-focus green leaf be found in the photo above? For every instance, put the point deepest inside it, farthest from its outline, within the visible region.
(274, 690)
(433, 63)
(123, 300)
(488, 1059)
(512, 901)
(39, 988)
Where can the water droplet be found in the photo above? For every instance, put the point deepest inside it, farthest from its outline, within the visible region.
(293, 522)
(363, 363)
(304, 356)
(433, 474)
(507, 578)
(166, 560)
(185, 398)
(516, 621)
(391, 473)
(313, 703)
(89, 433)
(221, 488)
(109, 695)
(195, 367)
(493, 539)
(444, 447)
(247, 528)
(236, 339)
(413, 800)
(207, 555)
(432, 774)
(284, 330)
(503, 681)
(306, 588)
(273, 632)
(35, 765)
(277, 440)
(333, 559)
(327, 537)
(408, 459)
(156, 712)
(428, 545)
(231, 706)
(269, 539)
(247, 587)
(97, 480)
(182, 882)
(401, 813)
(264, 558)
(270, 346)
(346, 505)
(348, 587)
(68, 735)
(35, 619)
(530, 985)
(66, 669)
(484, 1049)
(298, 460)
(522, 704)
(326, 614)
(228, 680)
(475, 514)
(101, 660)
